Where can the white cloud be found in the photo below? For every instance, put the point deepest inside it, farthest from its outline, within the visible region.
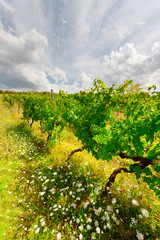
(29, 47)
(6, 6)
(24, 58)
(128, 63)
(57, 74)
(86, 63)
(85, 81)
(141, 23)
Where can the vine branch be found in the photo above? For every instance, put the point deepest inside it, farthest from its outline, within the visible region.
(143, 161)
(113, 177)
(76, 150)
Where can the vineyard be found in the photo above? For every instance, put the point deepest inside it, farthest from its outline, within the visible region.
(87, 165)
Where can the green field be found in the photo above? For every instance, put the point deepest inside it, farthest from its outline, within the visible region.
(45, 196)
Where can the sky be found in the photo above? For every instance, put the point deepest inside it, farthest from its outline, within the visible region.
(66, 44)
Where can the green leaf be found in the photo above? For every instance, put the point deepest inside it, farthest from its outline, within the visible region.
(147, 171)
(157, 169)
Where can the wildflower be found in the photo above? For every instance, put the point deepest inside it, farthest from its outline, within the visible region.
(145, 213)
(114, 217)
(52, 190)
(73, 205)
(96, 223)
(81, 227)
(80, 237)
(133, 221)
(89, 227)
(139, 235)
(85, 205)
(59, 236)
(89, 219)
(79, 185)
(114, 200)
(117, 210)
(42, 223)
(97, 190)
(136, 203)
(42, 193)
(99, 209)
(109, 208)
(108, 226)
(70, 223)
(98, 230)
(37, 230)
(93, 236)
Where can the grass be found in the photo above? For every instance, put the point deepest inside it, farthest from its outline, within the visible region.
(42, 196)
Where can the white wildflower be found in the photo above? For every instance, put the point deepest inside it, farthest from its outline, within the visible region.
(139, 235)
(80, 237)
(109, 208)
(52, 190)
(93, 237)
(77, 220)
(37, 230)
(80, 227)
(89, 219)
(42, 223)
(59, 236)
(89, 227)
(133, 221)
(42, 193)
(136, 203)
(98, 230)
(108, 226)
(145, 213)
(96, 223)
(114, 200)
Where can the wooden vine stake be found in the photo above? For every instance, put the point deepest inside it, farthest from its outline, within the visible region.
(52, 95)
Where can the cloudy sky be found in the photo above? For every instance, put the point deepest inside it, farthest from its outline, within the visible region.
(66, 44)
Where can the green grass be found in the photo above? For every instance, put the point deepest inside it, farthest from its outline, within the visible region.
(42, 196)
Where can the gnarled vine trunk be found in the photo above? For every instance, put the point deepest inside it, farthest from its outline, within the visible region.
(142, 163)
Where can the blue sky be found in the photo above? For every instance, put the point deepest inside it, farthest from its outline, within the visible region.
(66, 44)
